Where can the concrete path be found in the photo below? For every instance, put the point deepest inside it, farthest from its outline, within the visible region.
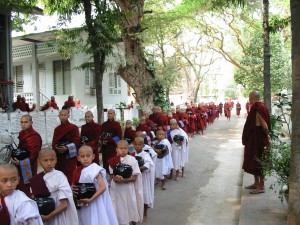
(213, 193)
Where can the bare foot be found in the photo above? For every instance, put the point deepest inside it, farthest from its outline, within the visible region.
(252, 186)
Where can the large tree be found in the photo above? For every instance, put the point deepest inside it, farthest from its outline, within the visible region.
(294, 180)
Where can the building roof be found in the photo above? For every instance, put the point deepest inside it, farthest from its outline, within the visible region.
(33, 38)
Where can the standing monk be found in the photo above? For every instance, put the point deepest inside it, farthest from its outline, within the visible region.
(66, 141)
(30, 141)
(90, 134)
(255, 139)
(111, 133)
(238, 108)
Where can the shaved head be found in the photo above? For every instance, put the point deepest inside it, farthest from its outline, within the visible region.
(46, 151)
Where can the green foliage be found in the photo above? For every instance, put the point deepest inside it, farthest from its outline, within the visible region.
(231, 91)
(160, 97)
(135, 121)
(23, 12)
(276, 161)
(252, 78)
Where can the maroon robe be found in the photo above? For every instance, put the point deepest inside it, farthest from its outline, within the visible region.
(110, 129)
(159, 120)
(69, 132)
(20, 105)
(93, 132)
(254, 139)
(76, 175)
(129, 135)
(4, 214)
(191, 120)
(248, 107)
(32, 142)
(238, 109)
(220, 108)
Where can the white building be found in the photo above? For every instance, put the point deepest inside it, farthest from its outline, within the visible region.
(35, 56)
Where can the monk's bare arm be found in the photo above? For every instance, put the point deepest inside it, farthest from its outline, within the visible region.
(261, 122)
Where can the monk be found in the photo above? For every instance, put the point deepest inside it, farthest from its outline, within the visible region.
(192, 119)
(129, 133)
(220, 108)
(158, 118)
(90, 134)
(111, 133)
(238, 108)
(19, 104)
(255, 138)
(52, 103)
(65, 142)
(31, 141)
(69, 103)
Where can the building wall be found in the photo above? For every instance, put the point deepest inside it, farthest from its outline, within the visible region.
(78, 88)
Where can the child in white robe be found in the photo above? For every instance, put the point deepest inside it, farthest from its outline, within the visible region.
(148, 174)
(164, 162)
(57, 183)
(22, 210)
(147, 148)
(98, 209)
(178, 148)
(127, 193)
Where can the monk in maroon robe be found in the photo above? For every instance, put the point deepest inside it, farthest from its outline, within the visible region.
(69, 103)
(200, 113)
(157, 118)
(143, 127)
(238, 108)
(220, 107)
(90, 134)
(31, 141)
(111, 132)
(192, 121)
(129, 133)
(255, 138)
(20, 104)
(68, 133)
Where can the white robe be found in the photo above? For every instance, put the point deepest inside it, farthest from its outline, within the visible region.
(100, 211)
(178, 152)
(185, 146)
(22, 210)
(127, 198)
(148, 178)
(152, 152)
(165, 164)
(58, 186)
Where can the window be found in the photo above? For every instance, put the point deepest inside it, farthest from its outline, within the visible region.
(62, 77)
(19, 82)
(90, 77)
(114, 84)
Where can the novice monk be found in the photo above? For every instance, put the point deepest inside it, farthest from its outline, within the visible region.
(127, 193)
(179, 148)
(16, 207)
(98, 209)
(164, 162)
(59, 189)
(147, 148)
(148, 172)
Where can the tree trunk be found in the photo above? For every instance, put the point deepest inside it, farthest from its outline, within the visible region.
(135, 72)
(294, 179)
(197, 87)
(267, 56)
(98, 58)
(99, 63)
